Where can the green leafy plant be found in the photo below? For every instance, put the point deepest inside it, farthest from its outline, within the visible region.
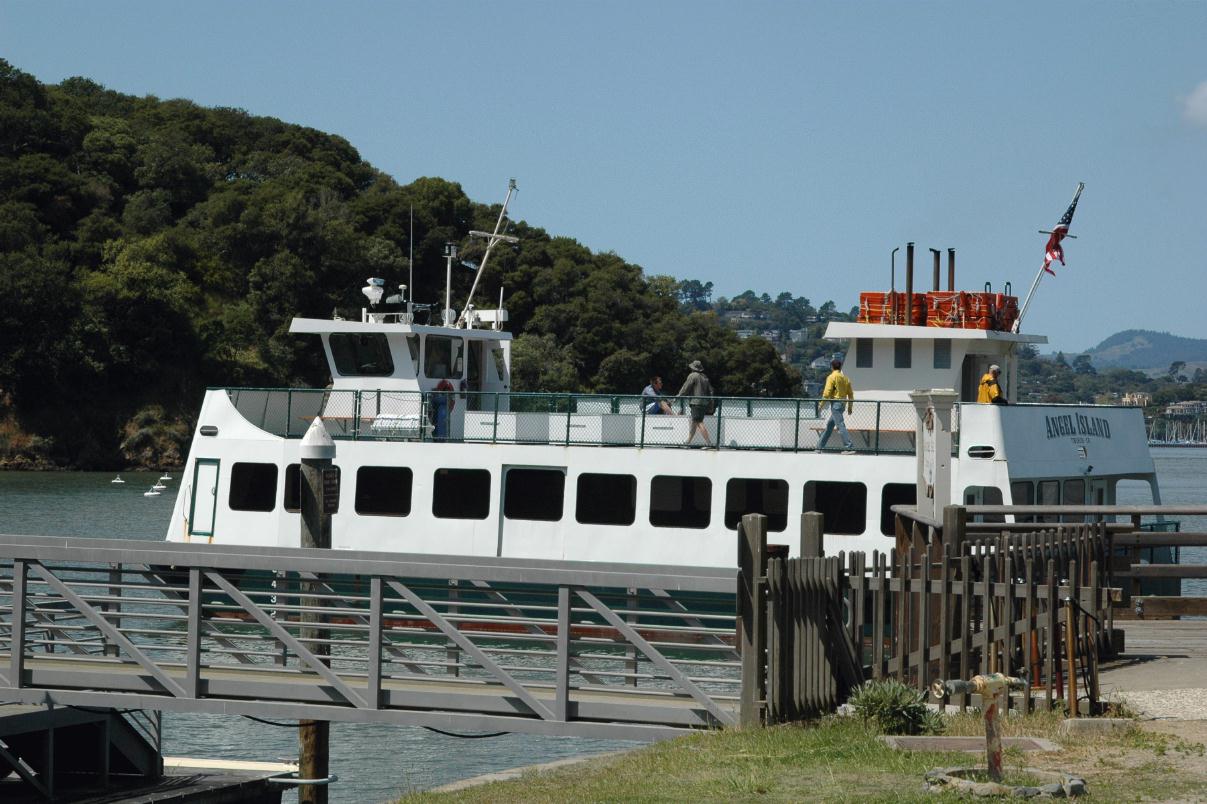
(891, 707)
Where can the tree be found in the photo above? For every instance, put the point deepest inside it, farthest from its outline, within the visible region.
(1082, 365)
(695, 295)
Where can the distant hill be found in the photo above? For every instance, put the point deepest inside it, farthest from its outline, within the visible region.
(1142, 349)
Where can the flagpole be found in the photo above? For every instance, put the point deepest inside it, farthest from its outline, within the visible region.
(1027, 301)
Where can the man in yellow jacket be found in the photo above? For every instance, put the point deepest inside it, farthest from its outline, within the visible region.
(838, 390)
(990, 392)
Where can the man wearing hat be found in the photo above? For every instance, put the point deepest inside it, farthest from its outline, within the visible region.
(990, 392)
(698, 390)
(842, 398)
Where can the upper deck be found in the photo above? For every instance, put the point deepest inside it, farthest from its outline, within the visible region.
(1037, 440)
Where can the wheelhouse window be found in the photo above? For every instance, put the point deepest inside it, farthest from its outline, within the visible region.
(680, 502)
(413, 351)
(606, 499)
(903, 353)
(844, 506)
(942, 354)
(753, 495)
(291, 495)
(361, 355)
(895, 494)
(863, 353)
(253, 487)
(536, 494)
(441, 357)
(383, 490)
(461, 494)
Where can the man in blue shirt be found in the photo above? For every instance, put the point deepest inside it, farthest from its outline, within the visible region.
(651, 398)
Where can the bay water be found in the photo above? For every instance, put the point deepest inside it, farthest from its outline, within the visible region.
(376, 763)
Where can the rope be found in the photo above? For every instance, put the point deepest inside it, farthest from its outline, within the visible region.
(466, 736)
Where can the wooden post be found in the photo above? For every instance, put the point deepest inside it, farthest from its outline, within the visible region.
(1071, 639)
(812, 543)
(752, 632)
(317, 452)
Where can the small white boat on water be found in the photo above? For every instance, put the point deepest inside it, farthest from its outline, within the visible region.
(151, 493)
(158, 487)
(117, 479)
(165, 477)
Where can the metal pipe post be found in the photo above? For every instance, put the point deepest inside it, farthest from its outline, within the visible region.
(317, 454)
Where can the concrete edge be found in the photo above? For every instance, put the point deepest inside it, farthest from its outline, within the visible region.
(515, 773)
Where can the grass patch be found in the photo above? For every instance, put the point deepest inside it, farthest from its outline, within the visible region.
(841, 759)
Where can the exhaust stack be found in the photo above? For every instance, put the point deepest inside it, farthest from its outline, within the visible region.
(909, 284)
(951, 269)
(935, 253)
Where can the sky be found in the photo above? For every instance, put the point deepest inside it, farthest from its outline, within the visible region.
(772, 146)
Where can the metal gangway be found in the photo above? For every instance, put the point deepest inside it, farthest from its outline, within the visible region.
(448, 642)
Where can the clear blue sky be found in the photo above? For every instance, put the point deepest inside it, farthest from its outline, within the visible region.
(772, 146)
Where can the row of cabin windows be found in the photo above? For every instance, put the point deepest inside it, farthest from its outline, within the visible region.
(368, 355)
(903, 353)
(603, 499)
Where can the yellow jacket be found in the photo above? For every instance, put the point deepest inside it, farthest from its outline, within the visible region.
(989, 391)
(838, 387)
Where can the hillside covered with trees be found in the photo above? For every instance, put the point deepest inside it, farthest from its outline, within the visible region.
(151, 248)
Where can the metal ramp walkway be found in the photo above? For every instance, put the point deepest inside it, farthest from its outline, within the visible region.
(585, 649)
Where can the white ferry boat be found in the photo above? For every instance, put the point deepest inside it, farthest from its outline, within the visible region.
(597, 478)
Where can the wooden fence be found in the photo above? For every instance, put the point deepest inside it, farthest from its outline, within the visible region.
(1035, 604)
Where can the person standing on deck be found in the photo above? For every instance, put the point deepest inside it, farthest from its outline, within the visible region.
(698, 390)
(442, 402)
(842, 397)
(990, 392)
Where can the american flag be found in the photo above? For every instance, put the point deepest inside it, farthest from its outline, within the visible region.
(1054, 251)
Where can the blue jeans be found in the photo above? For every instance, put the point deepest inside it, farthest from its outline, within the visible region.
(837, 419)
(441, 410)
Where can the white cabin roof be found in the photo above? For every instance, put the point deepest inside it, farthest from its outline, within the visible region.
(842, 330)
(320, 326)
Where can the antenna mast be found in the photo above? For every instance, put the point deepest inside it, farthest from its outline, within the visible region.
(411, 269)
(492, 239)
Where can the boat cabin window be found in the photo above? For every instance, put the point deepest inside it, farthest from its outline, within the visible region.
(843, 506)
(461, 494)
(863, 352)
(383, 490)
(985, 495)
(680, 502)
(1022, 492)
(441, 357)
(413, 349)
(1074, 494)
(752, 495)
(536, 494)
(253, 487)
(291, 495)
(496, 354)
(361, 355)
(903, 353)
(606, 499)
(1048, 494)
(895, 494)
(942, 354)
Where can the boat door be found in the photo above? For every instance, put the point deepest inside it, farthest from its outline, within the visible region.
(204, 502)
(531, 511)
